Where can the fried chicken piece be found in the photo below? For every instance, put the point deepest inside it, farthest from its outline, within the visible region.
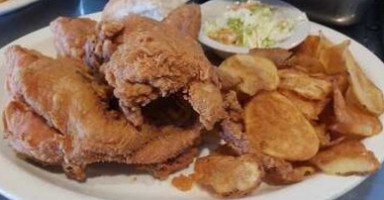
(163, 170)
(186, 18)
(111, 34)
(157, 62)
(233, 127)
(145, 60)
(229, 176)
(281, 172)
(29, 134)
(70, 35)
(62, 103)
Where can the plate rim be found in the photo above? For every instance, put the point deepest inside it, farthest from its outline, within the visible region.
(37, 187)
(11, 5)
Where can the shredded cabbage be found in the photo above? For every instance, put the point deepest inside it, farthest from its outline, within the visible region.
(251, 24)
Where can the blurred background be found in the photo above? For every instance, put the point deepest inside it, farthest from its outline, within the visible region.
(362, 20)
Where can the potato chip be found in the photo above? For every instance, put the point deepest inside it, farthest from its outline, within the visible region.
(281, 172)
(369, 96)
(332, 58)
(322, 134)
(304, 85)
(277, 55)
(342, 81)
(347, 158)
(255, 73)
(308, 46)
(277, 127)
(353, 120)
(310, 108)
(229, 176)
(324, 43)
(227, 80)
(306, 64)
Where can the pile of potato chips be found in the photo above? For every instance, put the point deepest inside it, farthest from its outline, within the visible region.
(306, 110)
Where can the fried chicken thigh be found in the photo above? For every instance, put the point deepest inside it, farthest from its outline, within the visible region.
(58, 117)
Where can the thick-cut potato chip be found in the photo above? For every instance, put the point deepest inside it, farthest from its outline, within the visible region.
(322, 134)
(227, 80)
(281, 172)
(276, 55)
(229, 176)
(308, 46)
(277, 127)
(352, 120)
(369, 96)
(332, 58)
(347, 158)
(310, 108)
(304, 85)
(342, 81)
(324, 43)
(254, 72)
(306, 64)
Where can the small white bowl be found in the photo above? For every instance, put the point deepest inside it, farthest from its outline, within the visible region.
(215, 8)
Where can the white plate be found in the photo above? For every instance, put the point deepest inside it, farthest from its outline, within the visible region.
(22, 180)
(214, 8)
(11, 5)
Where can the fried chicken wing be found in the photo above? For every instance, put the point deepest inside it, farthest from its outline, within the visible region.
(70, 35)
(63, 112)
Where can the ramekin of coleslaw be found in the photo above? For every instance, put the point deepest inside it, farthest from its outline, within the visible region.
(237, 26)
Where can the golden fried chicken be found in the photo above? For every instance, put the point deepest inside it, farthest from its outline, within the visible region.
(186, 18)
(145, 61)
(58, 117)
(70, 35)
(111, 32)
(157, 62)
(163, 170)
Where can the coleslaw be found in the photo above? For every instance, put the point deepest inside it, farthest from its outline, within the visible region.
(250, 24)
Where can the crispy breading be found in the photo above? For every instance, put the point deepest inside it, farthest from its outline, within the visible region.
(58, 93)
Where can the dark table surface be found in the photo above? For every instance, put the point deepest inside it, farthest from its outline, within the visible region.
(368, 32)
